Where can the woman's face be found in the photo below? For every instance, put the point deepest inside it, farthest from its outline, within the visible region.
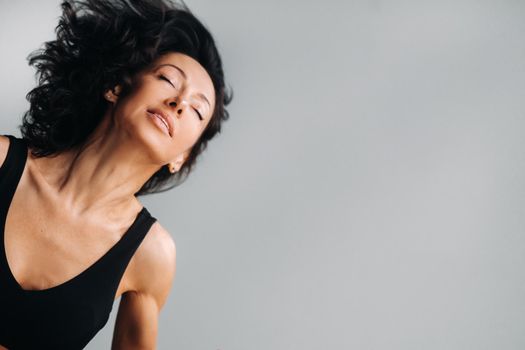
(170, 105)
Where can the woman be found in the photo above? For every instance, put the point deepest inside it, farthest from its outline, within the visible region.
(129, 94)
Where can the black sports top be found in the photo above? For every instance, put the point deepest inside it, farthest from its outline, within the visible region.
(69, 315)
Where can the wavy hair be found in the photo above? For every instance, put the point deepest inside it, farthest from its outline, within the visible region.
(103, 43)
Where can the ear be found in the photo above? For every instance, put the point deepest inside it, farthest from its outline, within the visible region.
(111, 95)
(179, 161)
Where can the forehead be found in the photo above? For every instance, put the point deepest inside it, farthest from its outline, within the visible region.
(196, 76)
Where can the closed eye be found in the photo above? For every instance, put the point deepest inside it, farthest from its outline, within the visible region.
(162, 77)
(198, 113)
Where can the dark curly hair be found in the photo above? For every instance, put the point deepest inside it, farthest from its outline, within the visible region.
(101, 44)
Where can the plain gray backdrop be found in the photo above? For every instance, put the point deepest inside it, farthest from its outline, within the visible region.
(368, 191)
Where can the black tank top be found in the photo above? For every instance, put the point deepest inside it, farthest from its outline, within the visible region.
(69, 315)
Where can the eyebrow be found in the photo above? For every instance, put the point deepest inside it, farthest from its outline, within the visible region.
(201, 95)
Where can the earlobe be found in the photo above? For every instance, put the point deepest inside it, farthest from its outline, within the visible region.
(113, 94)
(180, 161)
(109, 96)
(175, 166)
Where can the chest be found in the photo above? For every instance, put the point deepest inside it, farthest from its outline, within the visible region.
(46, 245)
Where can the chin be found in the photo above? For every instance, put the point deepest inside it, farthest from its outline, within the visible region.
(154, 144)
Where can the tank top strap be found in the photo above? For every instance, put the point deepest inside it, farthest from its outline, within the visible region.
(107, 272)
(11, 172)
(135, 234)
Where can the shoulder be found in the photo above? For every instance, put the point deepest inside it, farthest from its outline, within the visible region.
(154, 264)
(4, 146)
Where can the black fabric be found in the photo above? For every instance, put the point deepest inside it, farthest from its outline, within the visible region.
(69, 315)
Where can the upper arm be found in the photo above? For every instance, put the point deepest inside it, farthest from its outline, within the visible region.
(152, 273)
(136, 323)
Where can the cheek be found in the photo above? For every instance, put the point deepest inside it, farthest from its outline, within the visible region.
(189, 134)
(131, 109)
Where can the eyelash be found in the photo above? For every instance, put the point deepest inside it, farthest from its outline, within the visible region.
(198, 113)
(162, 77)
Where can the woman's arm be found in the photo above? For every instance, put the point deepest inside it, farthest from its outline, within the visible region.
(152, 275)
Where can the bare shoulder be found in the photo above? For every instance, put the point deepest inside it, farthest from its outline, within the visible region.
(154, 264)
(4, 146)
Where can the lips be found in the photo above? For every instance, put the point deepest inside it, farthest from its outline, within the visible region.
(165, 118)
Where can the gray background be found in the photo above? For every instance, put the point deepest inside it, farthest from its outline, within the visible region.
(368, 191)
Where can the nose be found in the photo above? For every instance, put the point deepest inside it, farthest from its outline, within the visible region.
(179, 104)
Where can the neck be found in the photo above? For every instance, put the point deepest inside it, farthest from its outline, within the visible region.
(103, 174)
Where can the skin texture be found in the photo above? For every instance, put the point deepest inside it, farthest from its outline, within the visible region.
(82, 201)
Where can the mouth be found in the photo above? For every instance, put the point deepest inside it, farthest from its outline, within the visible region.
(164, 120)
